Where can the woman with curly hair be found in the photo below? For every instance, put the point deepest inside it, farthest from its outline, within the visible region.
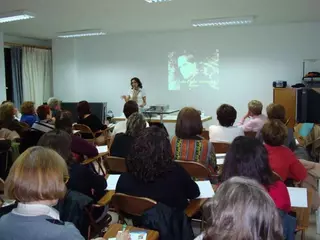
(7, 118)
(28, 113)
(153, 174)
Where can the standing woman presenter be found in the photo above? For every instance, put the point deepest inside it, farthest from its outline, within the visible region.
(136, 93)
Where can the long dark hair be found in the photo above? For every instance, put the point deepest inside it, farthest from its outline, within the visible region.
(247, 157)
(64, 121)
(137, 80)
(151, 155)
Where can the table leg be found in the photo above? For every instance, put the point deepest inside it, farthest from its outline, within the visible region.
(161, 118)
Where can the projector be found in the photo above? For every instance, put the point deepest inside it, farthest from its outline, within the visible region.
(159, 108)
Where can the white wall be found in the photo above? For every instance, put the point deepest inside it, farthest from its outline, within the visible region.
(251, 58)
(2, 71)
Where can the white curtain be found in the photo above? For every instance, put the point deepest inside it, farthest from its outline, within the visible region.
(36, 75)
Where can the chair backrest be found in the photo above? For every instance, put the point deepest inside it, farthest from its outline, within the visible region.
(195, 169)
(24, 125)
(221, 147)
(205, 134)
(250, 134)
(303, 214)
(132, 205)
(84, 129)
(116, 164)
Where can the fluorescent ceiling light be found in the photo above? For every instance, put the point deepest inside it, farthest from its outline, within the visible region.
(222, 22)
(85, 33)
(15, 16)
(157, 1)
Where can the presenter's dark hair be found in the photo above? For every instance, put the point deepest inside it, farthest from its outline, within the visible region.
(83, 108)
(130, 107)
(189, 123)
(137, 80)
(226, 115)
(247, 157)
(150, 156)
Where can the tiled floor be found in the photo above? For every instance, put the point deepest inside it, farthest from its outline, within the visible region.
(311, 234)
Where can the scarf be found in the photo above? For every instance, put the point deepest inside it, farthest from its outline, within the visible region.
(32, 210)
(135, 94)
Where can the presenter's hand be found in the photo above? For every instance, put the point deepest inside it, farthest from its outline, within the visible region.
(124, 97)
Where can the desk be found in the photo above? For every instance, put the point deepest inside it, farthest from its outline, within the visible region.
(166, 119)
(106, 199)
(115, 228)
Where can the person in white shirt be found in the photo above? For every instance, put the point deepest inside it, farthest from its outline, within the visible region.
(136, 93)
(225, 131)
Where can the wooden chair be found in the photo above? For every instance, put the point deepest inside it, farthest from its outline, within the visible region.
(303, 216)
(84, 129)
(250, 134)
(221, 147)
(205, 134)
(134, 206)
(116, 164)
(195, 169)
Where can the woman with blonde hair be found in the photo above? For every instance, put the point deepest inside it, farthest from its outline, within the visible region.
(238, 216)
(37, 181)
(7, 118)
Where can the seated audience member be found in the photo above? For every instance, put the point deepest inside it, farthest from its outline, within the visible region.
(82, 178)
(37, 181)
(188, 144)
(28, 113)
(44, 124)
(256, 118)
(78, 145)
(225, 132)
(123, 141)
(129, 108)
(235, 215)
(7, 118)
(247, 157)
(282, 160)
(153, 174)
(17, 114)
(85, 117)
(55, 106)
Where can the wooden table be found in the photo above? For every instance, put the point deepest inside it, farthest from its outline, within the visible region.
(115, 228)
(166, 119)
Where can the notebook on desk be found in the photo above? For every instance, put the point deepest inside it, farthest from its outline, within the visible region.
(206, 190)
(102, 149)
(298, 197)
(112, 181)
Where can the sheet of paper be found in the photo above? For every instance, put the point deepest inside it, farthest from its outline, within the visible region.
(206, 190)
(220, 158)
(102, 149)
(112, 181)
(135, 235)
(298, 197)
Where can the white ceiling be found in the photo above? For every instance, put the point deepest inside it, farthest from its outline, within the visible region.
(118, 16)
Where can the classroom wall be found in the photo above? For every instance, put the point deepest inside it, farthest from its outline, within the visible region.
(2, 71)
(29, 41)
(251, 58)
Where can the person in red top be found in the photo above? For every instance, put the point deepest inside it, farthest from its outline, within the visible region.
(247, 157)
(281, 159)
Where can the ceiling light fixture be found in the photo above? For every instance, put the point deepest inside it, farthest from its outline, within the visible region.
(84, 33)
(15, 16)
(222, 22)
(157, 1)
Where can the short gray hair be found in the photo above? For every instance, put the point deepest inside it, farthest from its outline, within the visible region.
(53, 102)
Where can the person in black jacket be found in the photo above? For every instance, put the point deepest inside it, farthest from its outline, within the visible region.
(81, 177)
(85, 117)
(122, 142)
(153, 174)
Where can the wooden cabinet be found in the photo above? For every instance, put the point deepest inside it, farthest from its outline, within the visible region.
(287, 98)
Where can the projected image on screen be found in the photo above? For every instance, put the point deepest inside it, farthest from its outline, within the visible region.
(190, 70)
